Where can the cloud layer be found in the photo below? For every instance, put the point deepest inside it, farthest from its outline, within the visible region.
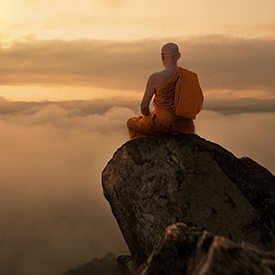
(221, 62)
(222, 104)
(54, 216)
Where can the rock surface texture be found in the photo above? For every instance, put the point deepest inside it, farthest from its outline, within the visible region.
(154, 183)
(183, 250)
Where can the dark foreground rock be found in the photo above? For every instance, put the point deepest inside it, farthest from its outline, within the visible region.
(106, 265)
(183, 250)
(126, 265)
(153, 183)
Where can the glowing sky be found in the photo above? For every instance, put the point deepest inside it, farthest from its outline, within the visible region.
(134, 19)
(43, 39)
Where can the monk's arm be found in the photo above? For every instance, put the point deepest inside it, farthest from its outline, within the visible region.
(149, 92)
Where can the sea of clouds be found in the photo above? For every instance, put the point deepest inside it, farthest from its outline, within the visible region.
(54, 216)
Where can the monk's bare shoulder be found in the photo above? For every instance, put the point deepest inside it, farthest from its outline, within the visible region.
(156, 75)
(160, 77)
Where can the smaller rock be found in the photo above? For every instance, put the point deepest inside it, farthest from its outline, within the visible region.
(184, 250)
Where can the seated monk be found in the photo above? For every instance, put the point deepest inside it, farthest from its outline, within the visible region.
(177, 100)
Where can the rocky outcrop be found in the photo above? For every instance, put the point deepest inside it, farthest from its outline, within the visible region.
(153, 183)
(183, 250)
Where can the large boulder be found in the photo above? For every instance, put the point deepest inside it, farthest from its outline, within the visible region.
(153, 183)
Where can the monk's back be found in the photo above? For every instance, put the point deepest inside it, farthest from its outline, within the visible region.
(164, 75)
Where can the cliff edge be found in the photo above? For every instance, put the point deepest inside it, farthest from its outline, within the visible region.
(154, 183)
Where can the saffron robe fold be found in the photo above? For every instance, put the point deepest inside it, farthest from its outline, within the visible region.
(188, 94)
(177, 102)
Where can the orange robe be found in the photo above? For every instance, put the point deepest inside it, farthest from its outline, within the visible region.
(177, 102)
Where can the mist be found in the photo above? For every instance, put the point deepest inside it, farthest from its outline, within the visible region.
(54, 216)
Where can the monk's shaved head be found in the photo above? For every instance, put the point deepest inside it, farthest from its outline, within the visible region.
(171, 50)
